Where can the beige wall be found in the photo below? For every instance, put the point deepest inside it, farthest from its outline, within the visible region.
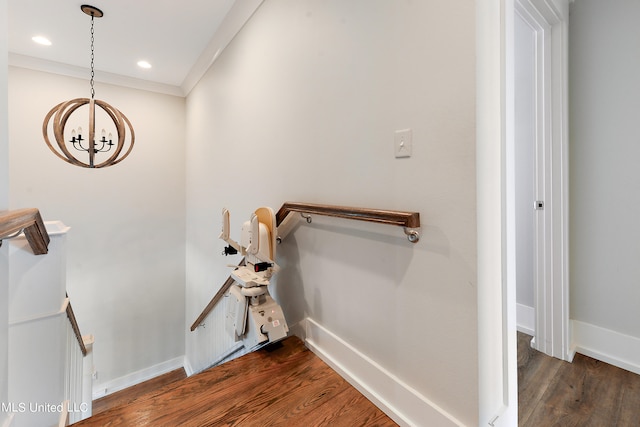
(604, 178)
(604, 181)
(302, 106)
(126, 245)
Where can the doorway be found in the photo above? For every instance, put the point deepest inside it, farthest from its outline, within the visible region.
(537, 166)
(525, 172)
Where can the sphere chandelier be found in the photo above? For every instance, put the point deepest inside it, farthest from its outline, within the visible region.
(71, 142)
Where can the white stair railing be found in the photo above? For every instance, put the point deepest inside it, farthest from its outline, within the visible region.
(78, 369)
(50, 363)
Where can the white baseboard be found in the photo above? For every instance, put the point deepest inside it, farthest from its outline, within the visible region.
(526, 319)
(112, 386)
(299, 329)
(188, 369)
(606, 345)
(398, 400)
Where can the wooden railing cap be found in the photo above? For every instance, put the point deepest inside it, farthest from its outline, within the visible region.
(74, 325)
(30, 222)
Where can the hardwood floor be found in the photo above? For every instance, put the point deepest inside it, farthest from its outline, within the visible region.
(130, 394)
(584, 393)
(286, 385)
(289, 385)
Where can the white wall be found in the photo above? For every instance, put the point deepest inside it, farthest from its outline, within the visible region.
(524, 151)
(605, 237)
(302, 106)
(126, 243)
(4, 204)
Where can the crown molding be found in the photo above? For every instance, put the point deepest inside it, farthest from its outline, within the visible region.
(233, 22)
(37, 64)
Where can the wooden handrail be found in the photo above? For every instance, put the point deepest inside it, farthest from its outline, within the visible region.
(225, 287)
(76, 329)
(30, 222)
(380, 216)
(409, 220)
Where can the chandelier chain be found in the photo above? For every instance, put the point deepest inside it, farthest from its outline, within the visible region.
(93, 92)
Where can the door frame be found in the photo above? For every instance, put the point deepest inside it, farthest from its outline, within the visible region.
(497, 350)
(548, 20)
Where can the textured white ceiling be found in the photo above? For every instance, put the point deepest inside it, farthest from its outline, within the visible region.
(169, 34)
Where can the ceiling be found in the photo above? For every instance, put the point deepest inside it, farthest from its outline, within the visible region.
(172, 36)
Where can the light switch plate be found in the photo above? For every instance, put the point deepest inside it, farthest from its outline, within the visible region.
(402, 142)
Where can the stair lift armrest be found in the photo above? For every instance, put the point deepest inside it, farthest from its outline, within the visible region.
(224, 235)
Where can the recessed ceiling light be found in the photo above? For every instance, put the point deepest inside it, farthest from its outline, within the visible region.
(144, 64)
(41, 40)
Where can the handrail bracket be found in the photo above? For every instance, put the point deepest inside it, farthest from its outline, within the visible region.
(413, 234)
